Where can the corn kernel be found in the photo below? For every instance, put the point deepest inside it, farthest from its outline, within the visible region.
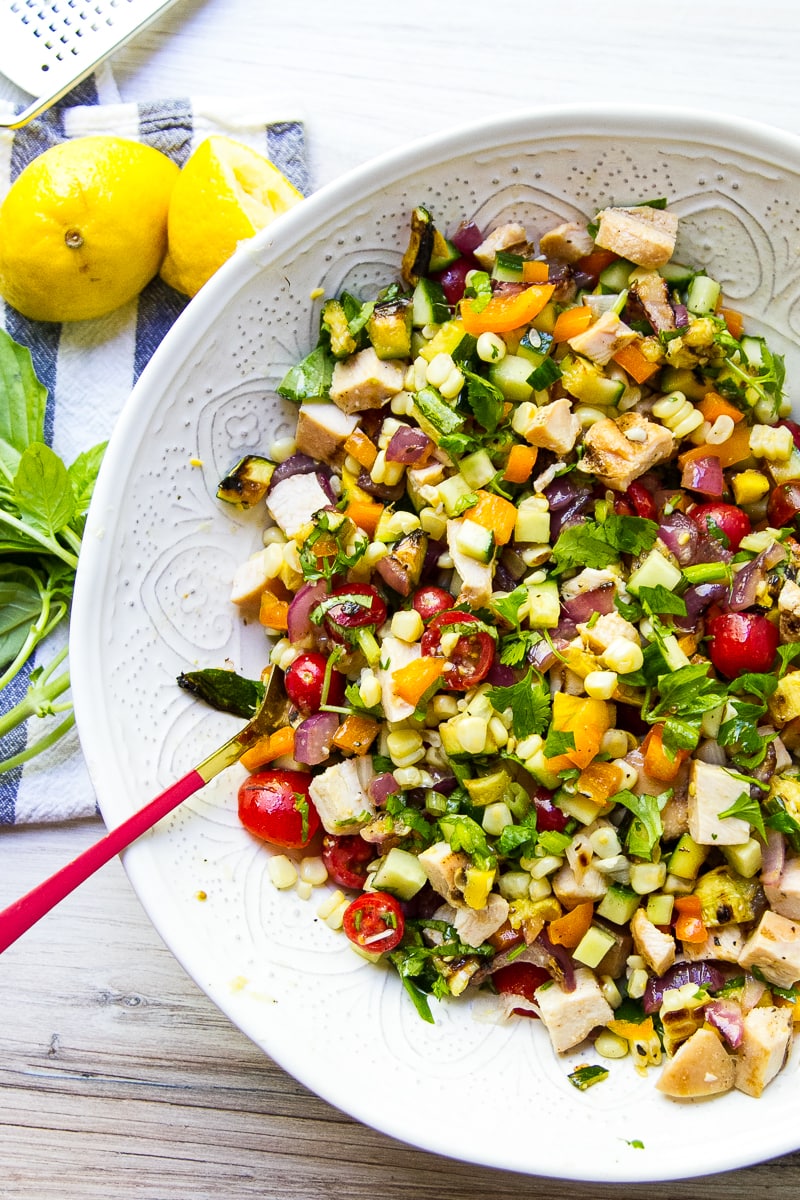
(610, 990)
(615, 743)
(610, 1045)
(513, 885)
(773, 442)
(407, 625)
(335, 918)
(600, 685)
(529, 746)
(408, 777)
(402, 405)
(629, 774)
(495, 818)
(721, 430)
(604, 842)
(588, 416)
(648, 877)
(452, 384)
(623, 656)
(433, 523)
(402, 742)
(445, 707)
(304, 890)
(313, 870)
(273, 536)
(490, 348)
(439, 369)
(471, 733)
(330, 903)
(383, 471)
(282, 872)
(282, 449)
(539, 889)
(637, 982)
(369, 688)
(498, 731)
(540, 867)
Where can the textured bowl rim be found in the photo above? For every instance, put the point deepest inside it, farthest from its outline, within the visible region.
(711, 131)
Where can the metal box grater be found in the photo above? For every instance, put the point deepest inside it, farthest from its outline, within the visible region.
(46, 48)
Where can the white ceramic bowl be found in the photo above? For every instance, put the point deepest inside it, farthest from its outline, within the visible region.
(152, 600)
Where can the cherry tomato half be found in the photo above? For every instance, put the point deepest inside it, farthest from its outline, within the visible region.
(276, 806)
(346, 857)
(520, 979)
(742, 642)
(470, 661)
(641, 500)
(784, 504)
(549, 817)
(727, 518)
(304, 680)
(374, 921)
(429, 601)
(360, 606)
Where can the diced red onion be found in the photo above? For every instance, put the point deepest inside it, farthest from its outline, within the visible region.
(680, 535)
(408, 445)
(709, 549)
(702, 973)
(681, 315)
(394, 575)
(542, 656)
(572, 514)
(773, 857)
(704, 475)
(726, 1016)
(313, 738)
(583, 606)
(381, 491)
(563, 491)
(296, 464)
(697, 599)
(381, 788)
(298, 617)
(752, 992)
(565, 631)
(711, 752)
(564, 965)
(445, 784)
(501, 675)
(467, 237)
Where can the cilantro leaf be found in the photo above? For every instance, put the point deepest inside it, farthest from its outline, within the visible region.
(660, 600)
(514, 647)
(462, 833)
(518, 839)
(599, 543)
(749, 810)
(559, 741)
(529, 701)
(684, 697)
(509, 606)
(647, 828)
(485, 399)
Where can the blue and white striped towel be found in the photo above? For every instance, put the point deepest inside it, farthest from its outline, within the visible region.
(89, 367)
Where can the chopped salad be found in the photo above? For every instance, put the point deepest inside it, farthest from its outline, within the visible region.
(531, 576)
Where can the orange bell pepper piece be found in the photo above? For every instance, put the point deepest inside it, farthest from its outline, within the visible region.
(361, 448)
(273, 612)
(267, 749)
(364, 515)
(571, 322)
(411, 682)
(689, 925)
(733, 320)
(495, 513)
(736, 449)
(657, 763)
(594, 263)
(521, 461)
(631, 1030)
(506, 310)
(713, 405)
(356, 734)
(631, 359)
(598, 781)
(569, 929)
(535, 271)
(587, 720)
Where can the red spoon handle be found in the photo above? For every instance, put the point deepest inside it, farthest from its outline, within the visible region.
(25, 912)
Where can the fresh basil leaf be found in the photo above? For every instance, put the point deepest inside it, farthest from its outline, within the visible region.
(224, 690)
(20, 606)
(42, 489)
(83, 476)
(24, 402)
(310, 379)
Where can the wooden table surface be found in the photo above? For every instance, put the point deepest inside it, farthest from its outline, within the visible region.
(119, 1078)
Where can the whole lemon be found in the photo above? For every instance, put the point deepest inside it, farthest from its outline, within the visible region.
(83, 228)
(225, 194)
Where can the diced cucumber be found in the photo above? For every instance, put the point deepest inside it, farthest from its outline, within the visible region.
(619, 904)
(655, 571)
(546, 320)
(451, 491)
(511, 376)
(584, 381)
(676, 275)
(535, 346)
(400, 874)
(614, 277)
(434, 415)
(428, 305)
(507, 267)
(475, 541)
(580, 807)
(445, 341)
(702, 295)
(443, 254)
(674, 657)
(544, 604)
(659, 908)
(745, 858)
(687, 858)
(679, 379)
(753, 350)
(478, 469)
(594, 946)
(533, 522)
(488, 789)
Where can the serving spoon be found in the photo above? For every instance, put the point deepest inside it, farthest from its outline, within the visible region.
(30, 908)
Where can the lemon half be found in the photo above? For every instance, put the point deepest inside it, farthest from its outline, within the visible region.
(84, 228)
(224, 195)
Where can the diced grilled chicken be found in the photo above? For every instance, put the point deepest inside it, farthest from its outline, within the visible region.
(340, 795)
(767, 1034)
(652, 292)
(569, 1017)
(365, 381)
(293, 502)
(789, 609)
(619, 451)
(571, 889)
(784, 897)
(322, 430)
(701, 1067)
(476, 925)
(774, 947)
(567, 242)
(395, 654)
(604, 337)
(553, 426)
(476, 577)
(712, 790)
(656, 948)
(510, 239)
(724, 943)
(589, 580)
(646, 236)
(445, 869)
(251, 578)
(606, 629)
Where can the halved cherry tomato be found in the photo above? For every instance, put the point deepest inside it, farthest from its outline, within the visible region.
(374, 921)
(784, 504)
(520, 979)
(727, 518)
(641, 500)
(276, 806)
(428, 601)
(742, 642)
(353, 612)
(548, 815)
(470, 661)
(346, 857)
(304, 680)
